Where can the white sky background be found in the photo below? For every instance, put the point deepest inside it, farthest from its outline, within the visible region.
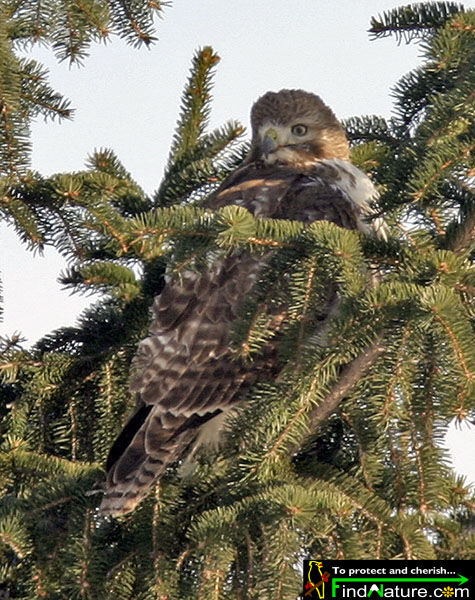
(128, 99)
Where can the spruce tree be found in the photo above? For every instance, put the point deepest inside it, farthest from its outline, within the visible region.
(344, 456)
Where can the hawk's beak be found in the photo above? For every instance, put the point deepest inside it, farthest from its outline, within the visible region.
(269, 143)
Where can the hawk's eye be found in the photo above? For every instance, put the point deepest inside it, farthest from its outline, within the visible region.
(299, 129)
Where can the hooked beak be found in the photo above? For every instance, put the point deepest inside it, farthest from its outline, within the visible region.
(269, 143)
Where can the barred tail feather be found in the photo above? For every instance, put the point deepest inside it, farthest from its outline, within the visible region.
(150, 442)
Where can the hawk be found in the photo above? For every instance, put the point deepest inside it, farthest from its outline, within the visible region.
(186, 371)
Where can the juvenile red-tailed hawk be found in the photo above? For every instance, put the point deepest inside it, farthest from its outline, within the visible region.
(185, 372)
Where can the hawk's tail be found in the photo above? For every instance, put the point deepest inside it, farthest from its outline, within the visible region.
(148, 444)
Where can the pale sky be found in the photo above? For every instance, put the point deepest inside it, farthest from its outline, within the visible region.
(127, 99)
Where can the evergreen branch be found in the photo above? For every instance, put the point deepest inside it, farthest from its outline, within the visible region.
(103, 276)
(303, 317)
(53, 504)
(28, 22)
(13, 144)
(197, 161)
(23, 218)
(397, 461)
(398, 360)
(371, 128)
(68, 45)
(284, 435)
(423, 502)
(195, 106)
(360, 442)
(358, 496)
(142, 35)
(36, 95)
(211, 145)
(255, 241)
(10, 8)
(415, 91)
(94, 18)
(439, 226)
(49, 109)
(14, 127)
(199, 169)
(29, 461)
(109, 225)
(81, 22)
(450, 117)
(229, 226)
(134, 20)
(460, 354)
(14, 534)
(185, 178)
(106, 161)
(435, 167)
(350, 375)
(73, 245)
(414, 20)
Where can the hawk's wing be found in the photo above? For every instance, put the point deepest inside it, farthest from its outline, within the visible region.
(185, 371)
(330, 190)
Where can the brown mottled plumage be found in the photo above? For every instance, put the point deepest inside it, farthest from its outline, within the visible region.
(185, 371)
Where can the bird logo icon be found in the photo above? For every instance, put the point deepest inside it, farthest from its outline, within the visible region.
(316, 580)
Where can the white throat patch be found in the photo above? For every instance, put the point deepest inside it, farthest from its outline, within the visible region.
(288, 156)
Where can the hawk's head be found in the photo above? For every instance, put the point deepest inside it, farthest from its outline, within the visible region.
(295, 127)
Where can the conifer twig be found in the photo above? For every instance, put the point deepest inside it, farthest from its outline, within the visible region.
(350, 374)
